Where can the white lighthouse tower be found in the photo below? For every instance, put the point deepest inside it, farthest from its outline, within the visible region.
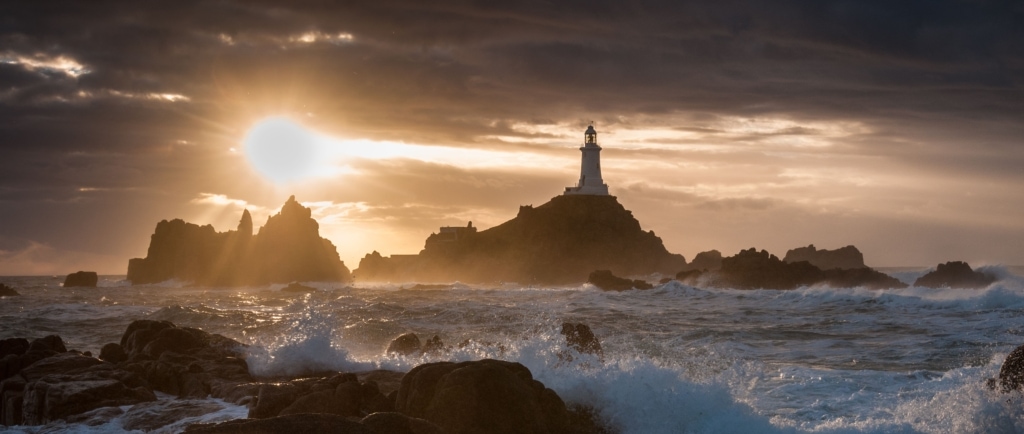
(590, 169)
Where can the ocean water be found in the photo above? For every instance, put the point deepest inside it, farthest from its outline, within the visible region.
(677, 359)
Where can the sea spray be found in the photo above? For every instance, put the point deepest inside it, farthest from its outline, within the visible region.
(308, 346)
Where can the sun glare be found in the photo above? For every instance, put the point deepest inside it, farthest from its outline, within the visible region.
(283, 151)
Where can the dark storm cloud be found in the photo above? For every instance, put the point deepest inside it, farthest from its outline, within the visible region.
(147, 95)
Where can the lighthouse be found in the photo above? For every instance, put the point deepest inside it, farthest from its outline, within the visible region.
(590, 168)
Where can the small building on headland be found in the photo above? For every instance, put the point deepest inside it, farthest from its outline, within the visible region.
(590, 182)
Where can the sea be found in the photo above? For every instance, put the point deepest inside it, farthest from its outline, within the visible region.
(677, 359)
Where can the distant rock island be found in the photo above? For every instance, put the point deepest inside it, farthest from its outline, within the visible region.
(561, 241)
(955, 274)
(752, 269)
(287, 248)
(843, 258)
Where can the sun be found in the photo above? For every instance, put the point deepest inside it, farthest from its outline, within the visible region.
(283, 151)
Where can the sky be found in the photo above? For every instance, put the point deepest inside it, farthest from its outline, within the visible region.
(894, 126)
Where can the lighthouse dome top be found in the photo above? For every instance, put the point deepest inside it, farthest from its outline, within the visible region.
(590, 130)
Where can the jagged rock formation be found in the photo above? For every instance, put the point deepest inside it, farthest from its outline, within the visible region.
(750, 269)
(843, 258)
(287, 248)
(955, 274)
(710, 260)
(561, 241)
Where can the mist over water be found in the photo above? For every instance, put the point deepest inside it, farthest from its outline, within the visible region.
(677, 358)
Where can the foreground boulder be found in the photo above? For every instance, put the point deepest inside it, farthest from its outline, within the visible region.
(1011, 375)
(607, 281)
(954, 275)
(87, 279)
(486, 396)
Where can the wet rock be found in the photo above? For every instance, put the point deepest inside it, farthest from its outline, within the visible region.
(607, 281)
(113, 353)
(398, 423)
(579, 337)
(954, 275)
(171, 339)
(1011, 375)
(7, 291)
(82, 278)
(434, 345)
(272, 398)
(489, 396)
(406, 345)
(290, 424)
(689, 277)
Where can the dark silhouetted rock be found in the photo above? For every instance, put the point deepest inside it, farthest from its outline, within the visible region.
(860, 277)
(433, 345)
(843, 258)
(113, 353)
(1011, 375)
(86, 279)
(750, 269)
(486, 396)
(607, 281)
(406, 345)
(580, 338)
(297, 288)
(50, 344)
(710, 260)
(287, 248)
(398, 423)
(291, 424)
(561, 241)
(16, 346)
(954, 275)
(7, 291)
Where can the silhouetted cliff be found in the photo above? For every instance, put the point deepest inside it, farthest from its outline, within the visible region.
(561, 241)
(288, 248)
(843, 258)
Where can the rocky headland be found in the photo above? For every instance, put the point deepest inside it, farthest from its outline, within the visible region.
(561, 241)
(287, 248)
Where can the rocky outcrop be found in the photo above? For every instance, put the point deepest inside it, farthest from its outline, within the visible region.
(490, 396)
(561, 241)
(287, 248)
(843, 258)
(580, 339)
(87, 279)
(954, 275)
(710, 260)
(7, 291)
(750, 269)
(607, 281)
